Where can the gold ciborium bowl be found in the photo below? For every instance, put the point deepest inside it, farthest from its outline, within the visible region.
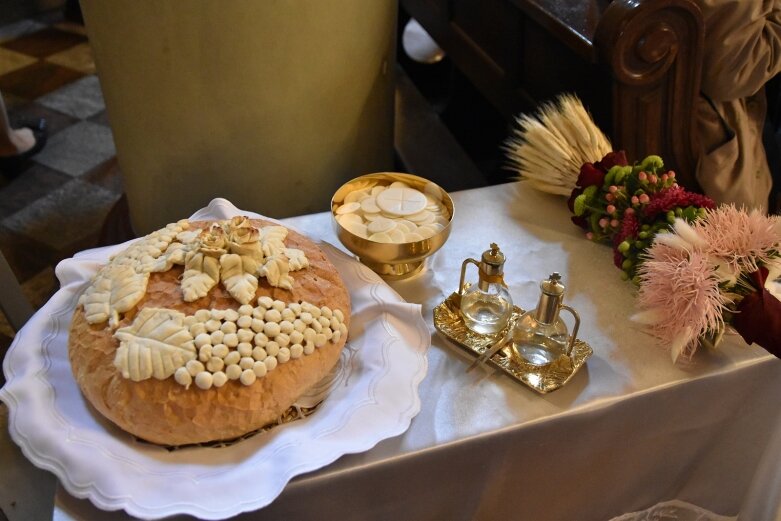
(392, 260)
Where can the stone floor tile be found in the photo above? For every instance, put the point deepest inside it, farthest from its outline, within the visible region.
(26, 256)
(82, 98)
(30, 112)
(12, 101)
(78, 57)
(26, 492)
(78, 148)
(50, 17)
(106, 175)
(40, 287)
(6, 335)
(71, 27)
(64, 217)
(12, 60)
(38, 290)
(37, 79)
(31, 185)
(45, 42)
(20, 28)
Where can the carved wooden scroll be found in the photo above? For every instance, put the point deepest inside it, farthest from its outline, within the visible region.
(654, 52)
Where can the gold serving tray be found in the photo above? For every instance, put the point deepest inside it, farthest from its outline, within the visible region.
(448, 321)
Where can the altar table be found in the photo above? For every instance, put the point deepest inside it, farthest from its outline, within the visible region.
(628, 431)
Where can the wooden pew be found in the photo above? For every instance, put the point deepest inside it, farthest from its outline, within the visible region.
(635, 63)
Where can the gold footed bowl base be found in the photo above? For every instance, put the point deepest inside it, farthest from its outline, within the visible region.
(541, 378)
(400, 271)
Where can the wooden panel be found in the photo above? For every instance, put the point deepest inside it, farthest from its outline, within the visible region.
(636, 64)
(653, 51)
(572, 22)
(494, 27)
(551, 67)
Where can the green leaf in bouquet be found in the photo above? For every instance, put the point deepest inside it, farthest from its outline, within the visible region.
(579, 205)
(610, 177)
(652, 164)
(633, 186)
(593, 221)
(590, 192)
(621, 174)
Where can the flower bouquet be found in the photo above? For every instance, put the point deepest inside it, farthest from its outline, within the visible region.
(699, 268)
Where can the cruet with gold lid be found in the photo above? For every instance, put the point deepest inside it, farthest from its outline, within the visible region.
(486, 306)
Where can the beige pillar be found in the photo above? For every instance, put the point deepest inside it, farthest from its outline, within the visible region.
(271, 104)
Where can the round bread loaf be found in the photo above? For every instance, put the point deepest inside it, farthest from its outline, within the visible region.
(167, 413)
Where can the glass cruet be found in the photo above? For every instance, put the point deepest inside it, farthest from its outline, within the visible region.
(486, 306)
(540, 336)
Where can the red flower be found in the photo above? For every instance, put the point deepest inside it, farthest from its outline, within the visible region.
(759, 315)
(612, 159)
(590, 175)
(673, 197)
(618, 258)
(580, 221)
(630, 227)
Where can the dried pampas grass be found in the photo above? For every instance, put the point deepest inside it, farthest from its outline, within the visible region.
(548, 148)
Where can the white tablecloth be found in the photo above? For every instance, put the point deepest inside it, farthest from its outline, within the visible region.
(629, 431)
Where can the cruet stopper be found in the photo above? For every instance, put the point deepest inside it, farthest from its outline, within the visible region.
(540, 336)
(486, 306)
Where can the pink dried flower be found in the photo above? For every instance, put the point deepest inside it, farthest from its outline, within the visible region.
(610, 209)
(644, 198)
(642, 176)
(680, 298)
(744, 239)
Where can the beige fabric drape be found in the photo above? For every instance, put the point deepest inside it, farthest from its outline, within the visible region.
(742, 52)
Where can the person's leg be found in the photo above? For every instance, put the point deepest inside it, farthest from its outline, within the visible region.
(13, 142)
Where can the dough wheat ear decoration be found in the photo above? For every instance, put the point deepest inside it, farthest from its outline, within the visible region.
(547, 149)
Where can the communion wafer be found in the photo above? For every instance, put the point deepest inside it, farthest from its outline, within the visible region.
(396, 213)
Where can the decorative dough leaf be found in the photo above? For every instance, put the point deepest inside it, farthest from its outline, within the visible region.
(116, 289)
(236, 279)
(155, 345)
(272, 240)
(176, 253)
(296, 259)
(276, 270)
(201, 274)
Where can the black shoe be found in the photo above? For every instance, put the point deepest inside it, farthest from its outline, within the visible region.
(12, 166)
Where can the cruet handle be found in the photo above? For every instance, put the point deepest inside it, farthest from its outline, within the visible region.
(463, 274)
(574, 330)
